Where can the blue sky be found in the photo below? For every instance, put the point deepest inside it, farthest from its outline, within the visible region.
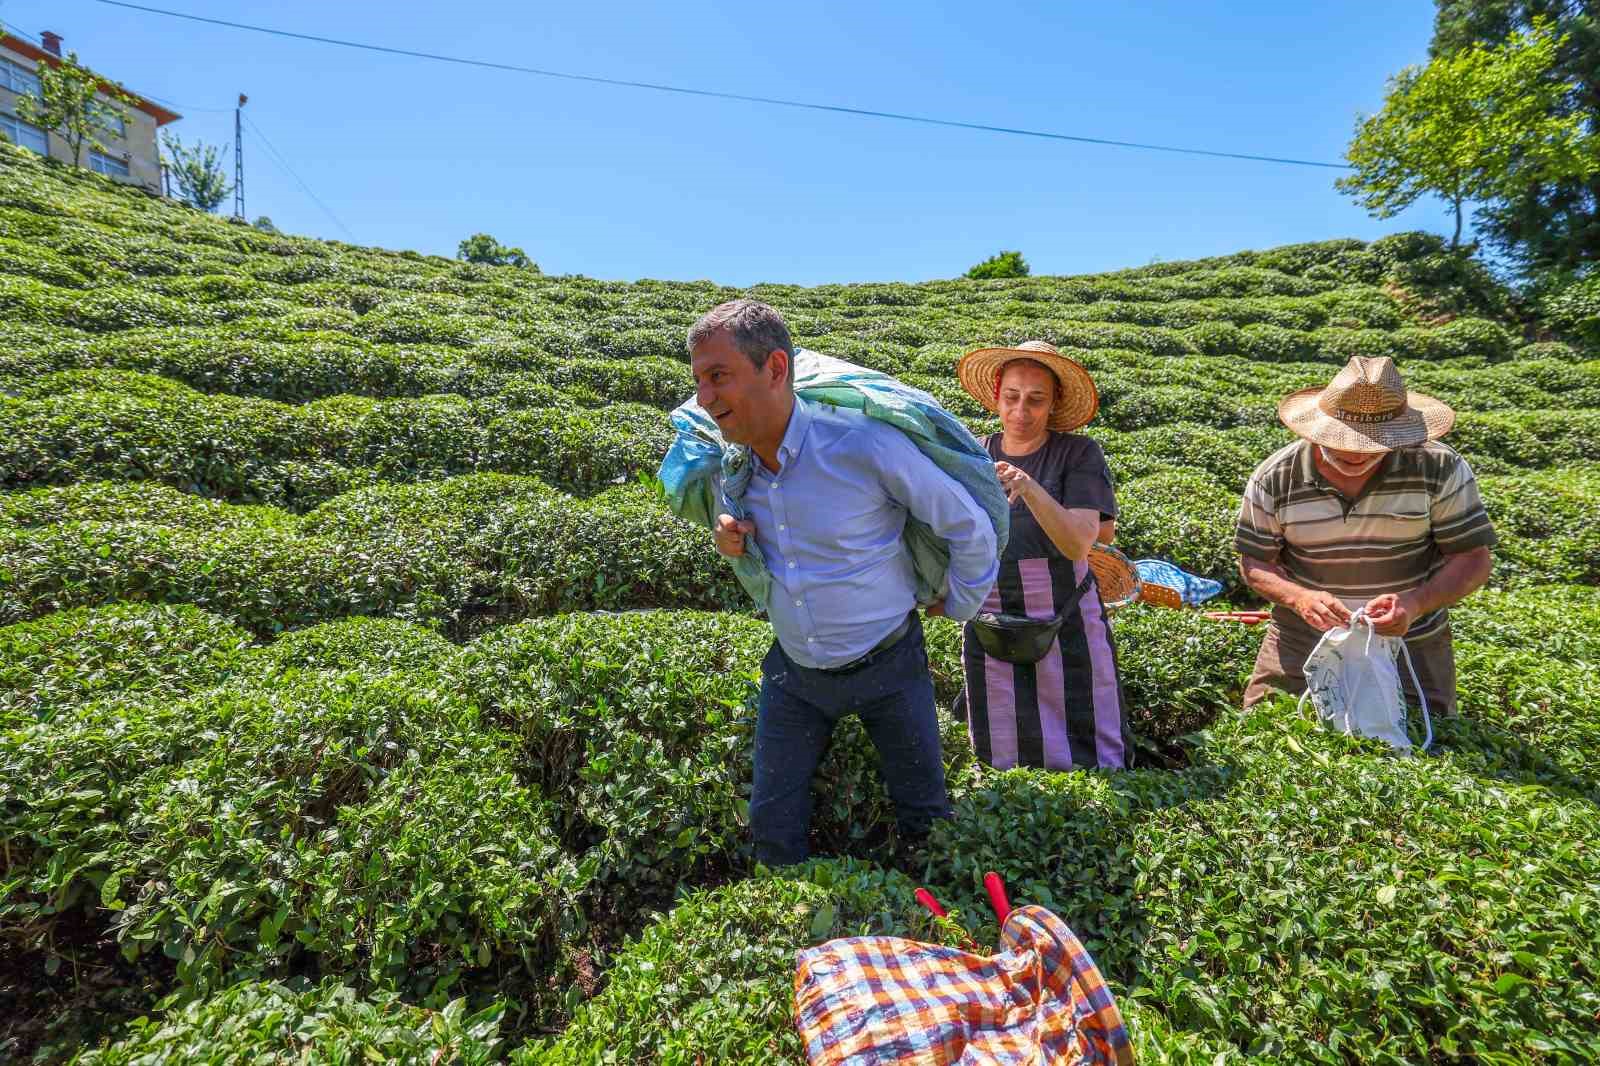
(621, 183)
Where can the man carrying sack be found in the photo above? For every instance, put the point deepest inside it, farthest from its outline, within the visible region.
(1366, 510)
(828, 492)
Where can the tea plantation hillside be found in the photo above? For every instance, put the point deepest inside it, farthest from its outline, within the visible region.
(361, 699)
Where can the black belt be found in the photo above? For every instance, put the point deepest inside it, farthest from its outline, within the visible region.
(883, 645)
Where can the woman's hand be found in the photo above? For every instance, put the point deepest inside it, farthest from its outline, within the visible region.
(1016, 481)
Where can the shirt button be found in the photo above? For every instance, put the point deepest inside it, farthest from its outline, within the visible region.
(797, 603)
(791, 566)
(811, 640)
(782, 527)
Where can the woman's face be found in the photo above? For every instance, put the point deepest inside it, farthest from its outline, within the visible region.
(1027, 392)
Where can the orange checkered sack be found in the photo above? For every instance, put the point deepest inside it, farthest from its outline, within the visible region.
(862, 1001)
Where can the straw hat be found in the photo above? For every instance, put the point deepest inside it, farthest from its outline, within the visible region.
(1366, 408)
(1076, 399)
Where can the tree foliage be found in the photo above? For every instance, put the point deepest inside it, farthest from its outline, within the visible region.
(265, 225)
(1480, 125)
(1000, 265)
(482, 248)
(1552, 223)
(198, 171)
(70, 102)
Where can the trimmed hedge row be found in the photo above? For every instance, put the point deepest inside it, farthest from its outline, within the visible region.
(1300, 896)
(131, 426)
(328, 1022)
(640, 724)
(1559, 621)
(453, 554)
(464, 552)
(1547, 526)
(56, 663)
(714, 979)
(360, 826)
(1183, 517)
(242, 449)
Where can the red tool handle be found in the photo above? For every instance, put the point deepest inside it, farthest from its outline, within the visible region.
(1249, 618)
(925, 898)
(997, 895)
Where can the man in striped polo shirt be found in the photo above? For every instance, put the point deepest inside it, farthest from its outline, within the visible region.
(1367, 509)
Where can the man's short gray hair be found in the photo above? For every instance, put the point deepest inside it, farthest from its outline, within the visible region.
(755, 328)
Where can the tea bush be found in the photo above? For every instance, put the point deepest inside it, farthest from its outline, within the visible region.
(325, 1023)
(453, 554)
(1300, 897)
(1559, 621)
(1183, 517)
(1547, 528)
(71, 657)
(316, 818)
(373, 646)
(714, 978)
(622, 548)
(641, 722)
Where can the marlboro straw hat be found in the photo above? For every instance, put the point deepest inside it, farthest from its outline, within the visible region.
(1366, 408)
(1076, 398)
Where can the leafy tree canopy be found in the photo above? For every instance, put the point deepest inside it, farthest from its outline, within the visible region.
(1480, 125)
(1001, 265)
(482, 248)
(197, 170)
(1552, 223)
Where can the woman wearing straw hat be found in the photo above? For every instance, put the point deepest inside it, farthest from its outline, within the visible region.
(1366, 510)
(1041, 669)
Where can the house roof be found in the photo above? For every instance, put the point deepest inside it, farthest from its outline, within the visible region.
(33, 51)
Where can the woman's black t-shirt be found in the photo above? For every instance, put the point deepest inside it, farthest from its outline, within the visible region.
(1072, 469)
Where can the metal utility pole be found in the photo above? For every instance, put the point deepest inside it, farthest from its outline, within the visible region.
(238, 157)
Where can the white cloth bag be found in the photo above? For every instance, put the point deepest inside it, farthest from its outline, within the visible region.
(1353, 680)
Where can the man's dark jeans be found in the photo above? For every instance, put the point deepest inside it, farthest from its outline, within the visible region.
(799, 707)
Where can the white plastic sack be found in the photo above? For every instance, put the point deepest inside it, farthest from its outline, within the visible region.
(1353, 680)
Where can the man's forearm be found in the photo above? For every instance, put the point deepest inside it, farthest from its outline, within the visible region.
(1270, 581)
(1461, 575)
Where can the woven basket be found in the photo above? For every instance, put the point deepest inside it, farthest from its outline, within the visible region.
(1159, 595)
(1118, 580)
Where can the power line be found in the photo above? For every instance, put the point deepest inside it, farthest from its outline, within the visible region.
(769, 100)
(284, 163)
(34, 40)
(184, 107)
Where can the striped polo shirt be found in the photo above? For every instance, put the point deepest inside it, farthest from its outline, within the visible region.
(1420, 506)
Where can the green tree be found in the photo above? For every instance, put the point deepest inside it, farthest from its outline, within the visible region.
(1552, 224)
(482, 248)
(70, 102)
(264, 224)
(1001, 265)
(198, 171)
(1475, 126)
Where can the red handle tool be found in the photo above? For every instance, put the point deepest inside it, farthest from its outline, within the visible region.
(1249, 618)
(997, 895)
(925, 898)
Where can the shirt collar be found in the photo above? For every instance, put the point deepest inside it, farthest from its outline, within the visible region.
(1309, 474)
(794, 438)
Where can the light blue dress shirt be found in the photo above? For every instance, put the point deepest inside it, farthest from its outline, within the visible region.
(829, 523)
